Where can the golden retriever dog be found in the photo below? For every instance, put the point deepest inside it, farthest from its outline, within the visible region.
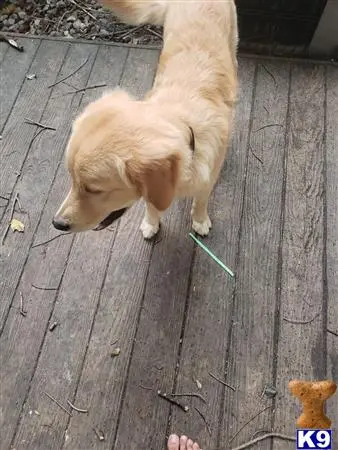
(173, 142)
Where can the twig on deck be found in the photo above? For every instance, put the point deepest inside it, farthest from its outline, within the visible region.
(146, 388)
(332, 332)
(249, 421)
(301, 322)
(42, 288)
(76, 91)
(49, 240)
(262, 438)
(10, 218)
(204, 420)
(40, 125)
(71, 74)
(190, 394)
(82, 9)
(256, 156)
(99, 434)
(53, 326)
(76, 408)
(222, 382)
(21, 310)
(268, 126)
(172, 401)
(58, 403)
(269, 73)
(4, 198)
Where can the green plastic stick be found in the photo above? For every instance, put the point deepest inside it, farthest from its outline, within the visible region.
(214, 257)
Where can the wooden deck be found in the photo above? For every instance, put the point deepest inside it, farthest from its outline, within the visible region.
(177, 317)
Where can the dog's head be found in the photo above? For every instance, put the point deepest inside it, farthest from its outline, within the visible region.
(119, 151)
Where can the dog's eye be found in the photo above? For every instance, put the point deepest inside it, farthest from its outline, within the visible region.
(91, 190)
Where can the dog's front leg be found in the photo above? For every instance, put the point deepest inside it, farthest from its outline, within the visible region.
(151, 221)
(201, 222)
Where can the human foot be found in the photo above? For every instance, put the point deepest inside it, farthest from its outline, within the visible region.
(182, 443)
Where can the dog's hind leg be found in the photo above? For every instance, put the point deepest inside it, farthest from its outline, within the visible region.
(151, 221)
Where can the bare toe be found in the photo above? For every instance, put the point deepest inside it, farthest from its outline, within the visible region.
(183, 443)
(196, 446)
(190, 444)
(173, 442)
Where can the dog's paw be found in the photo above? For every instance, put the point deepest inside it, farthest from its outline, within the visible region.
(202, 228)
(149, 230)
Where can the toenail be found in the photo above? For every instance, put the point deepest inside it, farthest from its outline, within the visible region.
(173, 439)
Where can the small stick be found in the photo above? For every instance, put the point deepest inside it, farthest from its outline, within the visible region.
(256, 156)
(249, 421)
(269, 73)
(155, 33)
(301, 322)
(222, 382)
(10, 218)
(76, 408)
(127, 33)
(204, 420)
(172, 401)
(53, 326)
(71, 74)
(332, 332)
(99, 434)
(38, 124)
(262, 438)
(21, 310)
(37, 134)
(42, 288)
(190, 394)
(59, 404)
(83, 9)
(49, 240)
(267, 126)
(95, 86)
(146, 388)
(214, 257)
(4, 198)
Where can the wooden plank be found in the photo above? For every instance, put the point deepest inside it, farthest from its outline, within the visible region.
(209, 309)
(302, 347)
(102, 380)
(16, 133)
(251, 347)
(332, 235)
(18, 146)
(62, 355)
(325, 39)
(22, 336)
(15, 67)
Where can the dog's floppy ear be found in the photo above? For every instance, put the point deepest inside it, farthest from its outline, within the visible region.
(156, 180)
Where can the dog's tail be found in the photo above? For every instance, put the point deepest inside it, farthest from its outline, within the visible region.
(137, 12)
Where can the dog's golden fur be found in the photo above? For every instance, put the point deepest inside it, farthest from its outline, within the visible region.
(122, 149)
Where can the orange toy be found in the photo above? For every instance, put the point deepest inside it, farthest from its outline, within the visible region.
(313, 395)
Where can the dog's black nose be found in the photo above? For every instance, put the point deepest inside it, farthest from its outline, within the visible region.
(61, 224)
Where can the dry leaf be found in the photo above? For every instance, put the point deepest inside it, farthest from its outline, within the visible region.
(198, 384)
(30, 76)
(16, 225)
(115, 352)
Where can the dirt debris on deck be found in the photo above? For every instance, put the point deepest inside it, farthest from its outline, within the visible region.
(82, 19)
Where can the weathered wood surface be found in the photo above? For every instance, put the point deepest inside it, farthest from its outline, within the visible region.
(331, 289)
(175, 314)
(302, 346)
